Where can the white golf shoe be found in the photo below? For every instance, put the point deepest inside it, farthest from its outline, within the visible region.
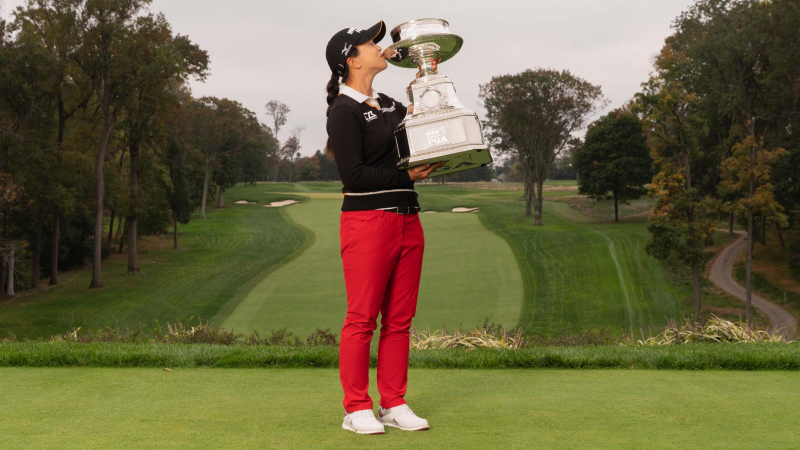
(402, 417)
(362, 422)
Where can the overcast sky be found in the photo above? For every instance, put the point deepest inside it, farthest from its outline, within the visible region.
(275, 50)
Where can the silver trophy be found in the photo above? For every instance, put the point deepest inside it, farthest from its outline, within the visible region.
(440, 128)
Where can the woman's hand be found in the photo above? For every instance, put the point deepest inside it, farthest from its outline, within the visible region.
(434, 64)
(422, 171)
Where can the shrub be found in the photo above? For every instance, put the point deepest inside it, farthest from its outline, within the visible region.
(714, 330)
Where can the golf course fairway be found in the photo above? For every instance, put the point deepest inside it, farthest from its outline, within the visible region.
(468, 274)
(467, 409)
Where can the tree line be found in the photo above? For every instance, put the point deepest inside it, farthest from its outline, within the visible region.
(101, 140)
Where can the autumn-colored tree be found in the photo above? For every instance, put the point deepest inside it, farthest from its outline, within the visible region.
(740, 58)
(674, 129)
(747, 171)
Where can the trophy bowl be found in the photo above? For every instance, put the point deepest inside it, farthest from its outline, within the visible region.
(440, 128)
(431, 36)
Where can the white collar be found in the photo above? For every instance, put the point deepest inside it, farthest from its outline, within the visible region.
(355, 95)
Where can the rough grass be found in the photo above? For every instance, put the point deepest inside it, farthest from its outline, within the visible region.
(697, 356)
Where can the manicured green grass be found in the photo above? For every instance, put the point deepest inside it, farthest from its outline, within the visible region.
(218, 262)
(699, 356)
(577, 273)
(468, 274)
(281, 268)
(475, 409)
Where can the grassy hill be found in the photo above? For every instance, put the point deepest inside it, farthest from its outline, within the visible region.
(250, 267)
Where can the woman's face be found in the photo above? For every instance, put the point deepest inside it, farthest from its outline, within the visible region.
(370, 57)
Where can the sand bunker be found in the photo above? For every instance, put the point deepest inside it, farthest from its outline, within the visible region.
(423, 212)
(462, 209)
(244, 202)
(281, 203)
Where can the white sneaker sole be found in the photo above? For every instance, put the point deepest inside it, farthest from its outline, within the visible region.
(348, 427)
(403, 428)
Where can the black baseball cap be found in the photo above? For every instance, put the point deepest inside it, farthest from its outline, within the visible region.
(341, 44)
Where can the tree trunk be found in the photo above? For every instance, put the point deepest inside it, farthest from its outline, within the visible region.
(616, 208)
(3, 273)
(528, 198)
(780, 236)
(692, 231)
(97, 275)
(54, 249)
(205, 191)
(119, 227)
(37, 252)
(525, 191)
(10, 266)
(749, 288)
(764, 229)
(122, 241)
(696, 279)
(538, 203)
(111, 228)
(133, 220)
(221, 197)
(174, 230)
(731, 218)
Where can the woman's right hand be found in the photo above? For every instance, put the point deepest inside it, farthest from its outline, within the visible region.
(422, 171)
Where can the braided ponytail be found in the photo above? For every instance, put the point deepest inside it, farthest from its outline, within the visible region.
(333, 92)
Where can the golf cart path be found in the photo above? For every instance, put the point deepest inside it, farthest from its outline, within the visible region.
(721, 274)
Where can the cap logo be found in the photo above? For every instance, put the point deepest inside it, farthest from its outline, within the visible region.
(351, 30)
(346, 48)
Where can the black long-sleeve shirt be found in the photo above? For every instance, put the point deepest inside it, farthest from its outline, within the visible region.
(365, 150)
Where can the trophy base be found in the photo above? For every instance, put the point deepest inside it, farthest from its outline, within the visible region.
(455, 160)
(448, 134)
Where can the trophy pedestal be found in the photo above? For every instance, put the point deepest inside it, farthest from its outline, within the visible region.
(441, 128)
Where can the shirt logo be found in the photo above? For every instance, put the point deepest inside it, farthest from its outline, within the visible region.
(346, 49)
(351, 30)
(369, 115)
(390, 109)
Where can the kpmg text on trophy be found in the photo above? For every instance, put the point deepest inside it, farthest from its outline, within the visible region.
(440, 128)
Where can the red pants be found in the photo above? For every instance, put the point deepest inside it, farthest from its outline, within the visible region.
(382, 260)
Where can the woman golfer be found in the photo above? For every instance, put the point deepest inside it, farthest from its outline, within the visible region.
(380, 231)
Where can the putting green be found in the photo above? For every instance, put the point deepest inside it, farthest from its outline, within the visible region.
(467, 409)
(468, 274)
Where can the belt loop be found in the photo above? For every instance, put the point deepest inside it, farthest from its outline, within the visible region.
(383, 212)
